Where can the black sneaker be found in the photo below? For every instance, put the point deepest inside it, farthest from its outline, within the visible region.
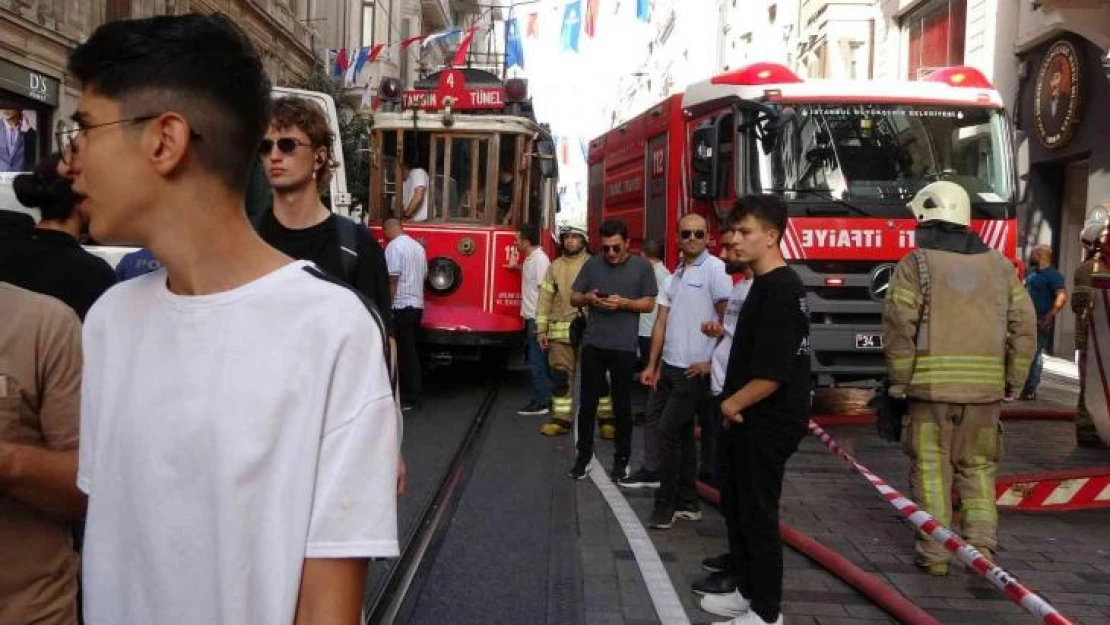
(578, 471)
(689, 512)
(662, 519)
(642, 478)
(716, 564)
(534, 408)
(719, 583)
(620, 469)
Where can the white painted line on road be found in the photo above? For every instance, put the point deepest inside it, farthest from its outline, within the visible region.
(658, 582)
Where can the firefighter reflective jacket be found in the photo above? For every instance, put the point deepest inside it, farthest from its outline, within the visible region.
(972, 339)
(1081, 299)
(554, 312)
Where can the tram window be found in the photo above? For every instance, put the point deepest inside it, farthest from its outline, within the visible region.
(459, 171)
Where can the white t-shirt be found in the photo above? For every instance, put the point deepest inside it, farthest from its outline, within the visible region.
(417, 178)
(720, 354)
(662, 279)
(408, 262)
(533, 271)
(224, 439)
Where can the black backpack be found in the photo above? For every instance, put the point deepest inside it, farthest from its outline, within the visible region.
(348, 243)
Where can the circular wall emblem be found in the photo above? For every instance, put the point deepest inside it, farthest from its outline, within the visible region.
(880, 281)
(1057, 100)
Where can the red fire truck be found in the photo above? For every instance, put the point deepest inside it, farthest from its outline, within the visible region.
(491, 167)
(845, 155)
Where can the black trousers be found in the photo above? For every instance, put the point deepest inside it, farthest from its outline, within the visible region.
(406, 323)
(620, 365)
(754, 456)
(674, 404)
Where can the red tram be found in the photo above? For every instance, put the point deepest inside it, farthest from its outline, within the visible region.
(491, 167)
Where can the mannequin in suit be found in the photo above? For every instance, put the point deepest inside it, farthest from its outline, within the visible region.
(17, 142)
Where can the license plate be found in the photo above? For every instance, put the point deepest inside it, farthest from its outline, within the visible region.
(869, 341)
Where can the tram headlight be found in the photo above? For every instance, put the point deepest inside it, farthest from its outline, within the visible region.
(444, 275)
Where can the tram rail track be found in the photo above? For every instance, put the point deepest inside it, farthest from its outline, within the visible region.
(395, 600)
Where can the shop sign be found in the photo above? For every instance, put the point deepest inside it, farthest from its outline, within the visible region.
(1058, 97)
(27, 83)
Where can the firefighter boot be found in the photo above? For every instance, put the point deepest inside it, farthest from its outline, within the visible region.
(605, 420)
(562, 404)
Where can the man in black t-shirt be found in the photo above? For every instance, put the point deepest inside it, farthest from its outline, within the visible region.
(766, 405)
(297, 158)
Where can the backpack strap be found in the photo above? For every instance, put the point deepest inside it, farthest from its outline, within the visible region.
(923, 279)
(348, 246)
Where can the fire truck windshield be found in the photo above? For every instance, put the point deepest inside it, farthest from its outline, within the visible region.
(873, 158)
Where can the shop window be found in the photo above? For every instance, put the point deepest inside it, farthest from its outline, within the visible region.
(935, 33)
(22, 132)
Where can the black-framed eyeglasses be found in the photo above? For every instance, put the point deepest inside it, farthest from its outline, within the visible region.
(612, 248)
(697, 234)
(286, 145)
(68, 134)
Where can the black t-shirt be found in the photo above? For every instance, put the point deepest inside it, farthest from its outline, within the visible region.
(771, 342)
(51, 263)
(320, 244)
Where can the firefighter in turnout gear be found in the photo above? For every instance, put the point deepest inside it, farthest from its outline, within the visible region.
(960, 335)
(554, 316)
(1093, 236)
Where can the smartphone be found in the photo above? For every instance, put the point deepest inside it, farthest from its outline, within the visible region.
(601, 294)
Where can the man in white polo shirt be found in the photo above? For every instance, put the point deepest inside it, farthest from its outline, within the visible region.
(408, 266)
(679, 366)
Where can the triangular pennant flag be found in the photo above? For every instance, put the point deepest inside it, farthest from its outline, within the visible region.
(464, 47)
(341, 63)
(643, 10)
(375, 52)
(450, 32)
(572, 24)
(514, 47)
(356, 67)
(405, 43)
(591, 18)
(533, 25)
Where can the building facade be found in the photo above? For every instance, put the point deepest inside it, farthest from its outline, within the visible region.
(1063, 55)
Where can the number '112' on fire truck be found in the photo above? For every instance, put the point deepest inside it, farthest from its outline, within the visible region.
(846, 156)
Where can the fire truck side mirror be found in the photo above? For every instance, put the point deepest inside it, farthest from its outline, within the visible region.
(705, 161)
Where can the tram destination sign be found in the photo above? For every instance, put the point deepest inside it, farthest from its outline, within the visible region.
(464, 99)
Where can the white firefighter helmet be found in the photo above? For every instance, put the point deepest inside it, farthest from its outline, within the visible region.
(942, 201)
(1096, 225)
(569, 230)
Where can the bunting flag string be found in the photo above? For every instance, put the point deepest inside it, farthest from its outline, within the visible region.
(348, 63)
(590, 25)
(572, 24)
(533, 25)
(464, 48)
(514, 47)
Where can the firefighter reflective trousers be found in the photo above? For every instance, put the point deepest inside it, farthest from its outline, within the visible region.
(954, 445)
(563, 360)
(1084, 426)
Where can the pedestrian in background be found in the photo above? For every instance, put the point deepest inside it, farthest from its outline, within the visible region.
(653, 251)
(1093, 238)
(959, 331)
(766, 405)
(721, 581)
(1046, 288)
(47, 258)
(554, 318)
(533, 271)
(135, 264)
(296, 156)
(40, 393)
(678, 369)
(616, 286)
(408, 267)
(239, 434)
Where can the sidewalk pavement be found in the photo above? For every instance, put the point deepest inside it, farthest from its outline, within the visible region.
(1063, 556)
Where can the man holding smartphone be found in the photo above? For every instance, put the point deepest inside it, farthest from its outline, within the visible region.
(617, 287)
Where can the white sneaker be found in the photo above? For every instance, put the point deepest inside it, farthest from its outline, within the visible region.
(730, 605)
(751, 618)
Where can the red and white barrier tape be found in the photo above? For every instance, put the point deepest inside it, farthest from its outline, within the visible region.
(951, 541)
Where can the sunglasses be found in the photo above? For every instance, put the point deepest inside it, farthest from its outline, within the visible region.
(697, 234)
(286, 145)
(611, 248)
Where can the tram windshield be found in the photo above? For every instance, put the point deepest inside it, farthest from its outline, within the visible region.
(475, 178)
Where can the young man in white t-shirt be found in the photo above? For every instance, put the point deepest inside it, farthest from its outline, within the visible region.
(414, 191)
(239, 434)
